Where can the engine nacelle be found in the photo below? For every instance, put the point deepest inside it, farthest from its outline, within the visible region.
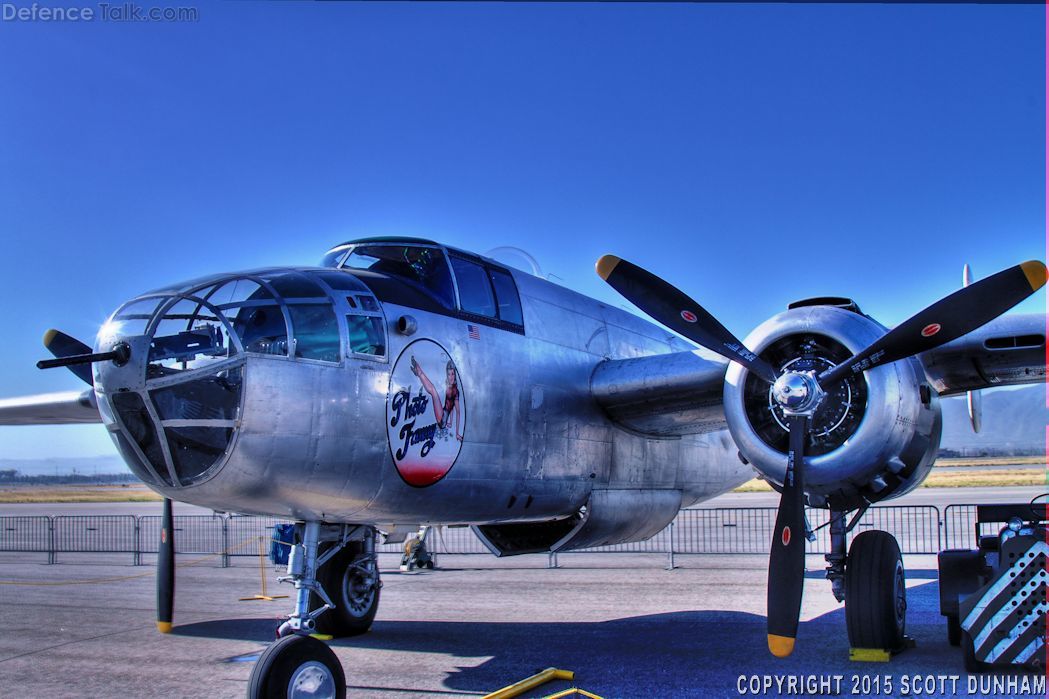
(874, 436)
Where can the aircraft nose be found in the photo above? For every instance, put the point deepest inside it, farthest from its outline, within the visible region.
(172, 407)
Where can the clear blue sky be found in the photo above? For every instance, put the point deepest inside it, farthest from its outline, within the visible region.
(751, 154)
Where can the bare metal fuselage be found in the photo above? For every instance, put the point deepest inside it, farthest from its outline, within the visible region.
(312, 440)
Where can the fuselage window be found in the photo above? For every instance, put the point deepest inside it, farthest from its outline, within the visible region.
(316, 331)
(422, 267)
(475, 291)
(366, 335)
(506, 296)
(189, 336)
(262, 329)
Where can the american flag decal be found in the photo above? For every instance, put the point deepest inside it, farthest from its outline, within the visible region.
(473, 331)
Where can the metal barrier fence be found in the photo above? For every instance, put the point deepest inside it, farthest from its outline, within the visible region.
(919, 530)
(960, 530)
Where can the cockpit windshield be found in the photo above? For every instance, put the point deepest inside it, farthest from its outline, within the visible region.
(423, 267)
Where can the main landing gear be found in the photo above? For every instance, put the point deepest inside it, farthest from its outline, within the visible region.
(872, 583)
(335, 559)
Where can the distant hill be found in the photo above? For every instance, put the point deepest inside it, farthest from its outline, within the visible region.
(1014, 422)
(61, 466)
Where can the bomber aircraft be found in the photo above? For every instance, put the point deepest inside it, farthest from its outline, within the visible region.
(403, 382)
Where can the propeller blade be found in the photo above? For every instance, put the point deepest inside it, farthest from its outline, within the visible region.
(673, 308)
(948, 319)
(62, 345)
(787, 556)
(166, 570)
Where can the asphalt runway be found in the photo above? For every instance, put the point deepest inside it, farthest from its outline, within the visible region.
(626, 626)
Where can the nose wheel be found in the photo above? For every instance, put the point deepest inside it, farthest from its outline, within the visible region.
(297, 667)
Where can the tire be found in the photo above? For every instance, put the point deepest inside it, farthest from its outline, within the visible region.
(875, 592)
(354, 608)
(295, 659)
(954, 631)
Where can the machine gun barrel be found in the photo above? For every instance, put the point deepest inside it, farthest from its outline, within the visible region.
(119, 354)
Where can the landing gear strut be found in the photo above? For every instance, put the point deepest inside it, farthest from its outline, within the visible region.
(342, 559)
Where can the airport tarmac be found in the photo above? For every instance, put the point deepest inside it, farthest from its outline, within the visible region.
(626, 626)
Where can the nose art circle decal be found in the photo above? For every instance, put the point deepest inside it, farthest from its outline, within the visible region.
(425, 413)
(689, 316)
(785, 536)
(930, 329)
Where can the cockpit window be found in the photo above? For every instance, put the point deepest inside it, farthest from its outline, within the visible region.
(506, 296)
(475, 292)
(334, 257)
(422, 267)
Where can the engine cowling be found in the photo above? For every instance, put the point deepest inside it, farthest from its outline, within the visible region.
(874, 436)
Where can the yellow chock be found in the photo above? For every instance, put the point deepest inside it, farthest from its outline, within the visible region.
(869, 655)
(574, 690)
(519, 688)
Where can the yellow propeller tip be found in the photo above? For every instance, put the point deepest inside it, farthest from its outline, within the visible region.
(49, 337)
(164, 626)
(605, 265)
(781, 646)
(1035, 273)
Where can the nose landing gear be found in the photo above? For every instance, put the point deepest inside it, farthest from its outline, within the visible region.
(338, 557)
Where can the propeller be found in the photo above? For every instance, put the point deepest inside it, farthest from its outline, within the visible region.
(799, 394)
(166, 570)
(63, 346)
(948, 319)
(787, 555)
(674, 309)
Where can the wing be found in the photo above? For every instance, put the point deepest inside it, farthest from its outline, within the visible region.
(1007, 351)
(664, 395)
(66, 408)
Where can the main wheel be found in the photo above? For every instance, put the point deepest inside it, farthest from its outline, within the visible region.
(352, 582)
(297, 667)
(875, 592)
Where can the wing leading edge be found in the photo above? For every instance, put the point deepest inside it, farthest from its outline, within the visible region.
(1005, 352)
(65, 408)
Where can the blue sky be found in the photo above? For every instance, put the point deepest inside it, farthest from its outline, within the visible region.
(751, 154)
